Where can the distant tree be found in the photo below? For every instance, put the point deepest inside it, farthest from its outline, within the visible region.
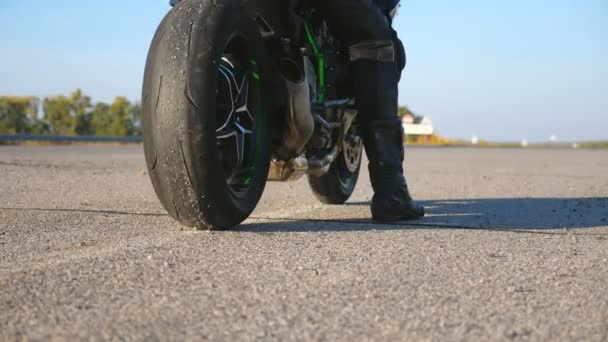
(100, 119)
(70, 115)
(115, 120)
(405, 110)
(58, 113)
(11, 119)
(120, 110)
(81, 105)
(18, 114)
(136, 119)
(39, 127)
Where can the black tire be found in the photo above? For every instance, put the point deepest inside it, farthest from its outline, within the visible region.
(338, 184)
(179, 114)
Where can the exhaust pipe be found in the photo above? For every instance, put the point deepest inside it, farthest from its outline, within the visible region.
(300, 122)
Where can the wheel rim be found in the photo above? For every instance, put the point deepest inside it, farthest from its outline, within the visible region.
(352, 150)
(236, 129)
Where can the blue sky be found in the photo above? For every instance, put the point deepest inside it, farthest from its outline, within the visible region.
(502, 70)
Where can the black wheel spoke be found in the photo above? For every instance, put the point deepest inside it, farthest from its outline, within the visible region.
(235, 122)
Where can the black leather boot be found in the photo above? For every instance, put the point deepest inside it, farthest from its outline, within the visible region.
(377, 59)
(384, 147)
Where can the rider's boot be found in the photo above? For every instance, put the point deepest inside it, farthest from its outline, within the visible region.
(377, 59)
(384, 148)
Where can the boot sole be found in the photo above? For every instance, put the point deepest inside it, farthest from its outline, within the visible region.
(386, 219)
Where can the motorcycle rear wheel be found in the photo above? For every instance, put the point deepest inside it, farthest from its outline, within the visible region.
(204, 126)
(338, 184)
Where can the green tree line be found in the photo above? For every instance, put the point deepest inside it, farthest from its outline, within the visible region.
(75, 114)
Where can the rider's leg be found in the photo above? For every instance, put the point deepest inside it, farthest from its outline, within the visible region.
(367, 31)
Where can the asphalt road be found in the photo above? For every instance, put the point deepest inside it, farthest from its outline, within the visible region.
(515, 247)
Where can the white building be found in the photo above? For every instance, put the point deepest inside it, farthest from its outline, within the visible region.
(424, 127)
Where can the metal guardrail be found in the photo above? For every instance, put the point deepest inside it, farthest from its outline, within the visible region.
(67, 138)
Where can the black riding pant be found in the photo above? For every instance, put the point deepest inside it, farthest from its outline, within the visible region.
(376, 53)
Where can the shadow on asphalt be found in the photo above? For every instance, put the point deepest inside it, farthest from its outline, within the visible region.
(504, 214)
(509, 214)
(87, 211)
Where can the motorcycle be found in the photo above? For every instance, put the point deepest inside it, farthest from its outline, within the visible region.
(237, 93)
